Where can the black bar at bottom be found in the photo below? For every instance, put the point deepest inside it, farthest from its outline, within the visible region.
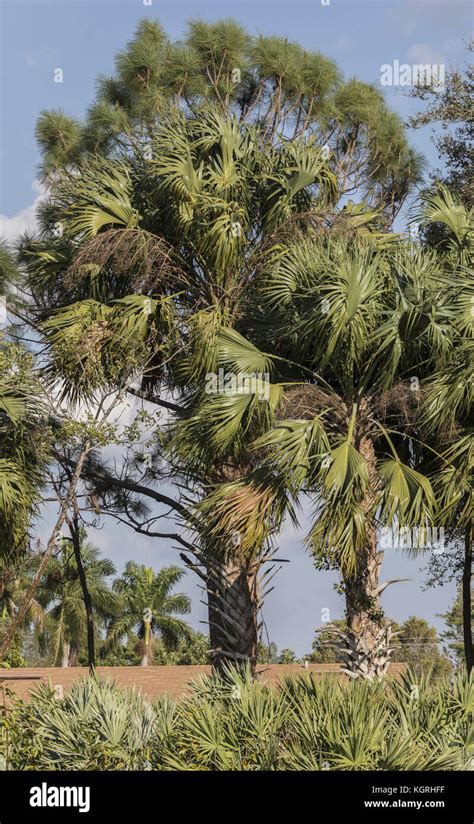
(365, 796)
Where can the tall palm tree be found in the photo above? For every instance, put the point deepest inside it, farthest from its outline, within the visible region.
(149, 608)
(197, 160)
(210, 176)
(354, 328)
(61, 596)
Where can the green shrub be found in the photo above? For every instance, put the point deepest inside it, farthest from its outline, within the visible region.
(233, 723)
(95, 727)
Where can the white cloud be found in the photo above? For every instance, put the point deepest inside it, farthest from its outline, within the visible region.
(24, 220)
(424, 53)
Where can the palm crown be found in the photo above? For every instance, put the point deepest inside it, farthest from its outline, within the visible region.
(149, 608)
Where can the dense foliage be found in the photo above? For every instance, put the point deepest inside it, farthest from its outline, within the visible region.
(239, 724)
(198, 221)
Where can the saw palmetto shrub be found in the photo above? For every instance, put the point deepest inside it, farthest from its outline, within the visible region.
(234, 723)
(96, 726)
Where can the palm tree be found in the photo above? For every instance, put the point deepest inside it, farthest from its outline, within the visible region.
(171, 328)
(148, 607)
(246, 141)
(15, 578)
(61, 596)
(353, 330)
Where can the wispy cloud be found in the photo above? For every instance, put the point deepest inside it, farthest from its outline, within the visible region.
(24, 220)
(425, 53)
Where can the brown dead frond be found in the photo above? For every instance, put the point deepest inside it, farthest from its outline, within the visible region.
(305, 401)
(146, 259)
(314, 224)
(297, 227)
(400, 404)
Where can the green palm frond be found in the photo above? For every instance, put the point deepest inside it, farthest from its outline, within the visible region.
(407, 494)
(339, 532)
(301, 166)
(441, 206)
(224, 419)
(296, 450)
(348, 471)
(98, 197)
(453, 482)
(132, 316)
(11, 402)
(449, 392)
(14, 486)
(241, 355)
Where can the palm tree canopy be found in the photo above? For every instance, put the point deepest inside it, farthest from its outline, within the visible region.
(362, 330)
(146, 597)
(24, 446)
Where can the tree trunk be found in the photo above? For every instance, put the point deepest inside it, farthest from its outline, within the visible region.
(466, 600)
(362, 600)
(233, 614)
(76, 542)
(73, 656)
(234, 601)
(65, 655)
(146, 644)
(367, 638)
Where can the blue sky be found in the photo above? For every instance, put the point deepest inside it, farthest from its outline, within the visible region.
(81, 38)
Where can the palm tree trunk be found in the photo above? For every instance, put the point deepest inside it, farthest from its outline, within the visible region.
(65, 654)
(367, 654)
(146, 645)
(466, 600)
(73, 656)
(367, 637)
(233, 603)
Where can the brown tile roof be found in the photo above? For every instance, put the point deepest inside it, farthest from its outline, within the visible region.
(150, 681)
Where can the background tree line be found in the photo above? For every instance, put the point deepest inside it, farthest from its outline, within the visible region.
(55, 631)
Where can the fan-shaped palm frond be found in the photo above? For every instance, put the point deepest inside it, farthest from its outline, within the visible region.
(441, 206)
(99, 196)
